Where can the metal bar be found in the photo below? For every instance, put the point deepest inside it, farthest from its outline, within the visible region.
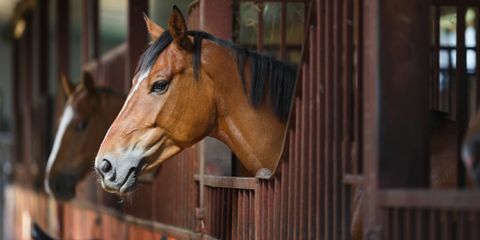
(320, 55)
(228, 182)
(235, 211)
(347, 108)
(283, 29)
(277, 206)
(260, 28)
(436, 62)
(303, 150)
(241, 214)
(312, 132)
(284, 198)
(328, 205)
(462, 93)
(338, 116)
(258, 210)
(477, 54)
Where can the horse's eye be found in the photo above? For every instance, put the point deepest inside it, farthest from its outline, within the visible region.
(159, 87)
(81, 125)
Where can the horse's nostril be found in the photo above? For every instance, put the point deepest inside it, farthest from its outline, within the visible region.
(106, 166)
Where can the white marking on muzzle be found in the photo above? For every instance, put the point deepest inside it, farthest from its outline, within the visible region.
(67, 117)
(142, 77)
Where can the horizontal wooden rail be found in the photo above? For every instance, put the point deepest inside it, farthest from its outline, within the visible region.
(355, 180)
(228, 182)
(131, 220)
(445, 199)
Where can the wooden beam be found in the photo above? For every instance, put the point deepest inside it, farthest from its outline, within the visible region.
(210, 13)
(137, 36)
(396, 113)
(90, 30)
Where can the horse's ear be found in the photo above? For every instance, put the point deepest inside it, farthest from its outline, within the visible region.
(153, 29)
(67, 86)
(178, 29)
(88, 82)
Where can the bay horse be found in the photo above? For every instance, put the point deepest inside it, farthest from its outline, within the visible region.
(88, 113)
(471, 150)
(189, 85)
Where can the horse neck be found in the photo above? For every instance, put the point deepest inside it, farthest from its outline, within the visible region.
(255, 135)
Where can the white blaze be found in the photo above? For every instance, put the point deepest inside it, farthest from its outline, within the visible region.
(141, 78)
(67, 117)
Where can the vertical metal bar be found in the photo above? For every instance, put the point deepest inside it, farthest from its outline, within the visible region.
(241, 214)
(312, 106)
(462, 92)
(475, 221)
(291, 185)
(277, 206)
(297, 168)
(258, 210)
(445, 225)
(328, 170)
(235, 212)
(431, 225)
(284, 192)
(303, 150)
(260, 27)
(347, 119)
(320, 91)
(477, 54)
(338, 115)
(283, 29)
(436, 62)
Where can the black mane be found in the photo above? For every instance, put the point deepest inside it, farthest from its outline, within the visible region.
(280, 76)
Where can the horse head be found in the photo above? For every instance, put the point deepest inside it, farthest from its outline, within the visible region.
(189, 85)
(88, 113)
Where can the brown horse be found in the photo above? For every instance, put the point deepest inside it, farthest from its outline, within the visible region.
(190, 85)
(88, 113)
(471, 150)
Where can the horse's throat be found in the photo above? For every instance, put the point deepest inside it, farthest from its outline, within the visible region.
(255, 138)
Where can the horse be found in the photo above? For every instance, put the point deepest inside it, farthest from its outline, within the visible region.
(88, 113)
(471, 150)
(189, 85)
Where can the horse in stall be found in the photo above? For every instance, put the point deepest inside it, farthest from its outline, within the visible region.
(189, 85)
(471, 150)
(88, 112)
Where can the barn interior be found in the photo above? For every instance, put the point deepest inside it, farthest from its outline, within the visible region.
(385, 93)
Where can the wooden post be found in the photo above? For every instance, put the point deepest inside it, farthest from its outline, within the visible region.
(90, 30)
(137, 36)
(210, 13)
(396, 115)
